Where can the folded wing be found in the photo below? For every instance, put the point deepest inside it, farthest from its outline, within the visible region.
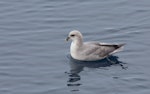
(102, 49)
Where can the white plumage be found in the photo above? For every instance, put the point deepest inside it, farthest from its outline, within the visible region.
(90, 51)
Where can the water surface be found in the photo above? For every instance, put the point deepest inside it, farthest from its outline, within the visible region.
(33, 53)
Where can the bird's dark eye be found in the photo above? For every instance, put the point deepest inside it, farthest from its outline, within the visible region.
(72, 35)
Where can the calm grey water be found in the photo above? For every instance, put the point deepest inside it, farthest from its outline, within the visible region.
(34, 56)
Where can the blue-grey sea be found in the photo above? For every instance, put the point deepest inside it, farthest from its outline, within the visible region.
(34, 56)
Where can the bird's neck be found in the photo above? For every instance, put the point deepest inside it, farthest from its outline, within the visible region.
(76, 45)
(78, 42)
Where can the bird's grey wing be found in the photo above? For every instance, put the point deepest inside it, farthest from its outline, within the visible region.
(94, 48)
(101, 49)
(91, 50)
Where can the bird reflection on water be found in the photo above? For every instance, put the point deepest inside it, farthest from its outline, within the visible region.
(76, 66)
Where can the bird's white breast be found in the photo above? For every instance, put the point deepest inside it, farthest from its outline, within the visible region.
(73, 49)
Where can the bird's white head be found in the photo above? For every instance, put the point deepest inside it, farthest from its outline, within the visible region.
(74, 35)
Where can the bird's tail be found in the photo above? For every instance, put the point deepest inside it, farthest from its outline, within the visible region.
(119, 48)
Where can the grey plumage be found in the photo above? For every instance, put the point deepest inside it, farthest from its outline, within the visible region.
(89, 51)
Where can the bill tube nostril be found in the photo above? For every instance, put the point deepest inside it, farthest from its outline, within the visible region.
(67, 39)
